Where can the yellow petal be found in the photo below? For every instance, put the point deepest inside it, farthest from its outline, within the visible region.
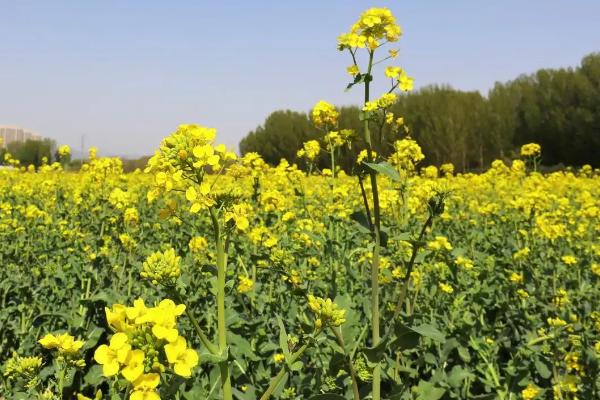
(118, 340)
(101, 355)
(190, 194)
(111, 368)
(182, 369)
(49, 341)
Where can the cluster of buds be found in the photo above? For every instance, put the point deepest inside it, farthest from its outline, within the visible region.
(23, 369)
(162, 267)
(327, 312)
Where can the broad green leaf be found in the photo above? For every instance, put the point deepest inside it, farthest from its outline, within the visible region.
(386, 169)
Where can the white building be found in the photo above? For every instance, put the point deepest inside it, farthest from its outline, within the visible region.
(9, 134)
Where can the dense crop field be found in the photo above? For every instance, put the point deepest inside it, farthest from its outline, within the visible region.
(504, 292)
(213, 276)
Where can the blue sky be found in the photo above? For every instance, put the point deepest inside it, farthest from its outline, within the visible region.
(125, 73)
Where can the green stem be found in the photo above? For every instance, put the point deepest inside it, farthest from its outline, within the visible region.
(410, 267)
(340, 339)
(376, 395)
(203, 338)
(221, 325)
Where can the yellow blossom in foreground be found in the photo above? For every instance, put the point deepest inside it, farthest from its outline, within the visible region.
(144, 388)
(530, 392)
(113, 356)
(64, 343)
(181, 357)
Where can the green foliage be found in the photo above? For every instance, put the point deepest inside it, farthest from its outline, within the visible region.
(31, 152)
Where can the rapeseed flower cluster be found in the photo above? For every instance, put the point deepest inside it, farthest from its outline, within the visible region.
(327, 312)
(146, 344)
(324, 115)
(531, 150)
(373, 26)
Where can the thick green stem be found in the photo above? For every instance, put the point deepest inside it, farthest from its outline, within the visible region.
(376, 248)
(282, 373)
(221, 326)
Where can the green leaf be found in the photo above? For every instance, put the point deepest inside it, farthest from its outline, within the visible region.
(430, 331)
(457, 375)
(215, 358)
(94, 376)
(386, 169)
(428, 391)
(283, 339)
(406, 338)
(376, 353)
(542, 369)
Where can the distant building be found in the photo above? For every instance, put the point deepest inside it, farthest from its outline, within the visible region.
(9, 134)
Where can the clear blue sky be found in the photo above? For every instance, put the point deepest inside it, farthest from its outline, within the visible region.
(126, 73)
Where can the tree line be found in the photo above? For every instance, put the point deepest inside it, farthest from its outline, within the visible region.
(556, 108)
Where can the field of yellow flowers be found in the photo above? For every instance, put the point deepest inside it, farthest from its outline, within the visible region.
(213, 276)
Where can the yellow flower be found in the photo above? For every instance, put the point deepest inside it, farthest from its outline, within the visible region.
(278, 358)
(516, 277)
(134, 365)
(372, 26)
(64, 150)
(353, 70)
(246, 284)
(530, 392)
(182, 358)
(569, 260)
(144, 388)
(64, 343)
(113, 356)
(440, 242)
(310, 150)
(405, 83)
(556, 322)
(444, 287)
(198, 244)
(98, 396)
(531, 150)
(324, 115)
(393, 72)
